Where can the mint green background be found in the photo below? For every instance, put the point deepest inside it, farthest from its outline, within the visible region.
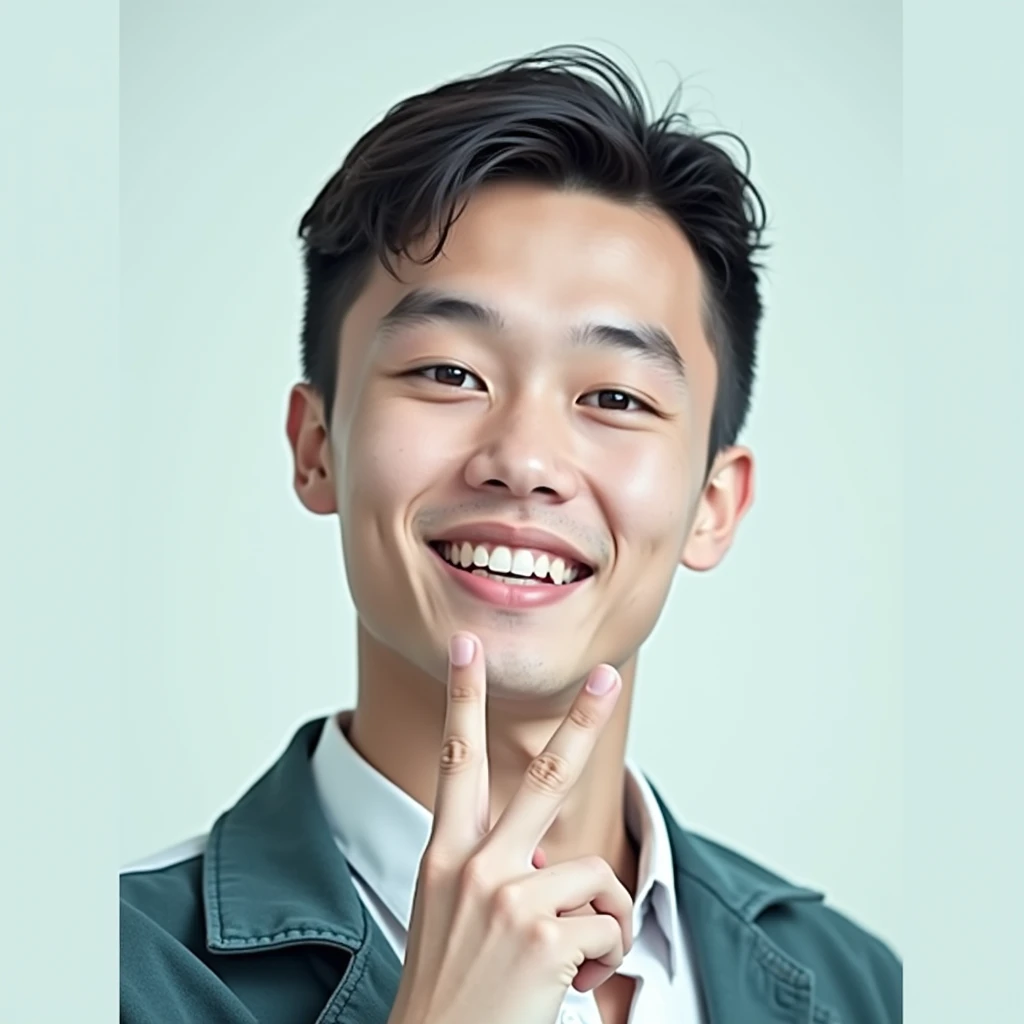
(58, 512)
(963, 272)
(769, 705)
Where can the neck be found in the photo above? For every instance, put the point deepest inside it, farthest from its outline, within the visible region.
(397, 727)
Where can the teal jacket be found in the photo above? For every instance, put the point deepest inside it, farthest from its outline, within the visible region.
(264, 924)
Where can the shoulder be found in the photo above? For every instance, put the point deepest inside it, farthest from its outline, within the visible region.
(854, 970)
(162, 935)
(167, 887)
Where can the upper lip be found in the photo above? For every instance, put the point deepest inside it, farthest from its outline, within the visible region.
(515, 537)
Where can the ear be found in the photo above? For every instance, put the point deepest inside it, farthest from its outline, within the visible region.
(727, 495)
(310, 442)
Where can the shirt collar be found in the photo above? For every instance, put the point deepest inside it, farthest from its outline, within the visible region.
(385, 850)
(656, 886)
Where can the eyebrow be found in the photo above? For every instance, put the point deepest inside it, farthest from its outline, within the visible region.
(425, 305)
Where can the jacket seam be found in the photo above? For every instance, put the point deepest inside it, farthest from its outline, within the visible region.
(213, 895)
(284, 936)
(358, 965)
(223, 941)
(781, 965)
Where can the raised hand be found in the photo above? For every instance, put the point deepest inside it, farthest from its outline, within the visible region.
(488, 939)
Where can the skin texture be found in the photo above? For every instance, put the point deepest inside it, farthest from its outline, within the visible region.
(524, 441)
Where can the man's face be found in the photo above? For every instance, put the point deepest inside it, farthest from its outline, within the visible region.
(539, 413)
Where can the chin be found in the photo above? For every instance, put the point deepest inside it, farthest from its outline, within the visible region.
(513, 674)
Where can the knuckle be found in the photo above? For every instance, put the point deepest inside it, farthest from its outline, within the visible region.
(610, 933)
(460, 693)
(613, 930)
(508, 904)
(583, 716)
(548, 773)
(607, 879)
(456, 754)
(435, 866)
(474, 877)
(542, 936)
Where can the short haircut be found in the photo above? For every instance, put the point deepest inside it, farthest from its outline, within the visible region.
(567, 117)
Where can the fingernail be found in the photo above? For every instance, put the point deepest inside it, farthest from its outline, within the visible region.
(460, 650)
(601, 680)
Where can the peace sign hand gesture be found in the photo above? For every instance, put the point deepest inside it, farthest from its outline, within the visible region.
(488, 942)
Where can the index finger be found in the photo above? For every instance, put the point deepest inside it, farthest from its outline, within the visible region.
(552, 773)
(461, 805)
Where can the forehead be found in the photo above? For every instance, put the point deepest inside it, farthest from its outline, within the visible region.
(548, 258)
(571, 246)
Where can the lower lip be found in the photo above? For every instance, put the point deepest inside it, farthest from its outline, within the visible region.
(514, 595)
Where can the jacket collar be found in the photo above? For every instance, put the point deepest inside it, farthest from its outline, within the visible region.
(744, 888)
(273, 876)
(722, 895)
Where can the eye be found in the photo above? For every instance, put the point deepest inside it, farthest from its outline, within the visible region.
(615, 401)
(450, 376)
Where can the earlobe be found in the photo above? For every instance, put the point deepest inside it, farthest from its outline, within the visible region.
(309, 441)
(725, 500)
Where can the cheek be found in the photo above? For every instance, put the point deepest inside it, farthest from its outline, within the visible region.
(387, 459)
(647, 490)
(390, 457)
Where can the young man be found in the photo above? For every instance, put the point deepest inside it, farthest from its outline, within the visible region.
(529, 345)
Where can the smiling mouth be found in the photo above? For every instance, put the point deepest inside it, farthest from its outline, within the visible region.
(515, 566)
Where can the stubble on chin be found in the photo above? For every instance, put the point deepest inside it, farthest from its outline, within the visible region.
(520, 676)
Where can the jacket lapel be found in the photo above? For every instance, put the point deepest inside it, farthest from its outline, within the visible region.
(740, 976)
(743, 975)
(273, 877)
(367, 992)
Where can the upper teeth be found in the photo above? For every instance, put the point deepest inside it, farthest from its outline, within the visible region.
(517, 561)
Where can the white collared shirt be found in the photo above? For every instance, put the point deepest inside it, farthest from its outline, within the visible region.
(382, 833)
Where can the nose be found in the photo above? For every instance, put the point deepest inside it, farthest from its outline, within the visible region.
(525, 454)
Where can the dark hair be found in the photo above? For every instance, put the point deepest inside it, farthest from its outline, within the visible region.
(568, 117)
